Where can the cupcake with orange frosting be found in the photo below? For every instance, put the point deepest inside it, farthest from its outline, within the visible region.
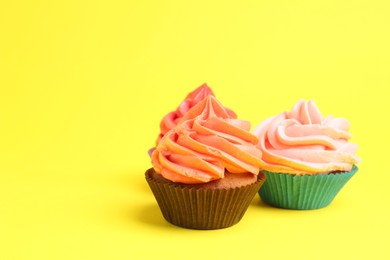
(307, 157)
(206, 169)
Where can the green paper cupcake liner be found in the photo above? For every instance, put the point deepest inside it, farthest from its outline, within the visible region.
(303, 191)
(202, 208)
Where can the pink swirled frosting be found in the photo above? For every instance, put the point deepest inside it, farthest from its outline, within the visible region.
(302, 141)
(170, 120)
(206, 141)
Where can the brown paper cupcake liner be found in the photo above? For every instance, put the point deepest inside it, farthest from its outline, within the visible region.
(202, 208)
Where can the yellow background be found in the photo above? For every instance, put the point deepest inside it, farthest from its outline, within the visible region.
(84, 84)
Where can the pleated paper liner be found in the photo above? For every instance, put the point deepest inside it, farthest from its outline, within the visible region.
(303, 191)
(202, 208)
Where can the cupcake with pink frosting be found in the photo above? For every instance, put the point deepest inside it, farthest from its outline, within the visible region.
(206, 169)
(307, 157)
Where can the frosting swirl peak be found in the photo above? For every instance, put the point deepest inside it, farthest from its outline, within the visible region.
(171, 119)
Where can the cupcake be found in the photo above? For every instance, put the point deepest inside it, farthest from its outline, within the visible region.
(206, 169)
(307, 157)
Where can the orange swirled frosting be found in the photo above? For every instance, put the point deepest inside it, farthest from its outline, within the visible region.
(206, 141)
(302, 141)
(170, 120)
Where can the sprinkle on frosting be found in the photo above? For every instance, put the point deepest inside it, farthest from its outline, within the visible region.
(207, 141)
(302, 141)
